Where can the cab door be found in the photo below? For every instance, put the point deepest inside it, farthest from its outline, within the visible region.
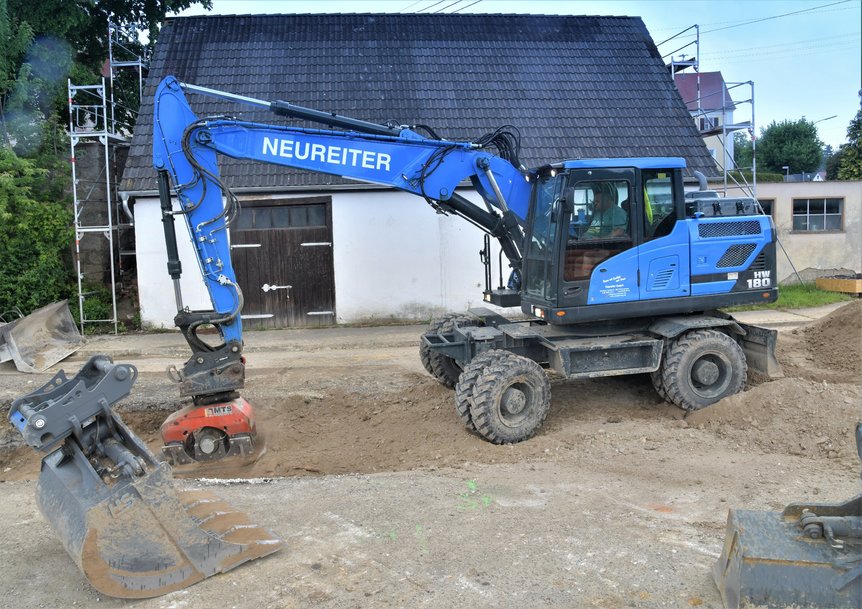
(663, 256)
(599, 254)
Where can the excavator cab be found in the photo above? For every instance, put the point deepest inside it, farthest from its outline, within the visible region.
(605, 233)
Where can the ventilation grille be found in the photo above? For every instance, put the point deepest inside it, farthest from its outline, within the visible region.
(736, 255)
(662, 279)
(759, 263)
(728, 229)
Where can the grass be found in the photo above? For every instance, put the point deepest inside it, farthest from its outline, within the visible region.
(798, 297)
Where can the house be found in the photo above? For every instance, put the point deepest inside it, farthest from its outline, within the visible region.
(575, 87)
(708, 100)
(819, 225)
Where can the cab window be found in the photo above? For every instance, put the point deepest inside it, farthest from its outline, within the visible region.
(539, 263)
(659, 212)
(600, 226)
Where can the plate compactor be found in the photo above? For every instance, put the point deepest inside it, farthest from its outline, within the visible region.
(809, 555)
(110, 501)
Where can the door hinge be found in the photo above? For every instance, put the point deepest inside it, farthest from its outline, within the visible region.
(639, 278)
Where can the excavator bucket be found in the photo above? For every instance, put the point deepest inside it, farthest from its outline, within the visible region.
(809, 555)
(113, 505)
(41, 339)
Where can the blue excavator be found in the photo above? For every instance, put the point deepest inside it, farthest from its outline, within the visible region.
(615, 268)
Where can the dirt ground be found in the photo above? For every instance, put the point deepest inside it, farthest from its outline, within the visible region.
(341, 409)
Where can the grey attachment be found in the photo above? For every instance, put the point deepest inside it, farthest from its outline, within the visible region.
(66, 407)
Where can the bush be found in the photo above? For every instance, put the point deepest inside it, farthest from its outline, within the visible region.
(35, 239)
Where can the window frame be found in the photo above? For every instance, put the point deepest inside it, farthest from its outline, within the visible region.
(807, 215)
(771, 201)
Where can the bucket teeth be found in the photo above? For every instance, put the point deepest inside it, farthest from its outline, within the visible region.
(139, 537)
(163, 541)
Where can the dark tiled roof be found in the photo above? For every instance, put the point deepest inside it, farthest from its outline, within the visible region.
(712, 90)
(576, 87)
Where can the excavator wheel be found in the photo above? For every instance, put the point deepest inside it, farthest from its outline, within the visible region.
(511, 398)
(445, 369)
(701, 367)
(464, 388)
(658, 384)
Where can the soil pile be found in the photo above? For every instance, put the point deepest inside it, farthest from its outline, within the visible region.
(789, 416)
(829, 349)
(836, 340)
(812, 412)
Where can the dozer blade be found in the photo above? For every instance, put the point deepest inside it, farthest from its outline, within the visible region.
(113, 505)
(41, 339)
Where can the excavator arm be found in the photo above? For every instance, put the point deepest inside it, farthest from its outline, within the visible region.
(185, 154)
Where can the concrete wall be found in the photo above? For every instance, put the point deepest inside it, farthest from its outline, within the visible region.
(394, 256)
(816, 254)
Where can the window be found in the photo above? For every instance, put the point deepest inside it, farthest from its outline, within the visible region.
(659, 212)
(539, 264)
(287, 216)
(599, 227)
(767, 205)
(708, 123)
(812, 215)
(601, 211)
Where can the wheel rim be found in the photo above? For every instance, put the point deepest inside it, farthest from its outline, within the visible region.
(515, 404)
(710, 375)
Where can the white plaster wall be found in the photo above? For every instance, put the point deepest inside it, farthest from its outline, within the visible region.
(397, 257)
(155, 288)
(394, 257)
(816, 253)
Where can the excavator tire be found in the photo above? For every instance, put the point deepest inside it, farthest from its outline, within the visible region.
(464, 388)
(658, 384)
(701, 367)
(511, 398)
(445, 369)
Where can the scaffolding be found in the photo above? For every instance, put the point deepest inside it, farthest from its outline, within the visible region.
(721, 129)
(99, 140)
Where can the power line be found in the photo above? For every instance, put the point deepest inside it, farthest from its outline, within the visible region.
(741, 21)
(412, 4)
(463, 7)
(440, 10)
(807, 10)
(795, 45)
(431, 6)
(783, 55)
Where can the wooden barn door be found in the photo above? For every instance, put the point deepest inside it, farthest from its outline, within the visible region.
(282, 254)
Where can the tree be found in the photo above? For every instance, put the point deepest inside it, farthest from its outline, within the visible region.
(849, 165)
(790, 143)
(43, 42)
(743, 151)
(35, 236)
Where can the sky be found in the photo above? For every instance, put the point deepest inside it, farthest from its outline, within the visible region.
(802, 56)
